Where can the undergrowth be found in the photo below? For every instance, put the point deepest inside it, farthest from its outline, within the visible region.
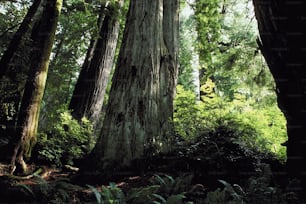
(66, 140)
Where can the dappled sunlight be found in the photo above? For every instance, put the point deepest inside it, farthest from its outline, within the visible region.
(191, 115)
(236, 83)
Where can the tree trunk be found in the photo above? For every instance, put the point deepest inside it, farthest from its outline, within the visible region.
(18, 36)
(282, 32)
(14, 66)
(88, 95)
(137, 121)
(30, 106)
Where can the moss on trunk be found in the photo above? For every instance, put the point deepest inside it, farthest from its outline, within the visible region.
(27, 123)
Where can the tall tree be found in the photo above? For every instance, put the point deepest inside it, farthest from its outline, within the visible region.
(17, 39)
(76, 28)
(137, 121)
(14, 66)
(88, 95)
(282, 40)
(27, 123)
(207, 19)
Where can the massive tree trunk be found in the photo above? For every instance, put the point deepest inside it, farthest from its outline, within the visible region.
(17, 38)
(283, 41)
(88, 95)
(30, 106)
(137, 121)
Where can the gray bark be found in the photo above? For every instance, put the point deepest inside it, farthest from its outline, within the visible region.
(88, 96)
(137, 121)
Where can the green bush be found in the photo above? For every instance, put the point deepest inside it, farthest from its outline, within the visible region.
(262, 128)
(66, 140)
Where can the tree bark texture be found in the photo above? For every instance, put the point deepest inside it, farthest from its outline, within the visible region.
(14, 67)
(282, 28)
(88, 95)
(137, 121)
(17, 38)
(30, 106)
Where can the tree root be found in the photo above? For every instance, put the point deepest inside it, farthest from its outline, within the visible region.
(14, 177)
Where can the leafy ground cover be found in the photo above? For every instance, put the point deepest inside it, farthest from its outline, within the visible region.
(213, 169)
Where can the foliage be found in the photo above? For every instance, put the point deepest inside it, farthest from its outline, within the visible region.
(172, 186)
(66, 140)
(259, 128)
(164, 190)
(11, 85)
(77, 24)
(257, 190)
(142, 194)
(187, 118)
(187, 53)
(227, 195)
(11, 15)
(233, 87)
(108, 195)
(60, 191)
(207, 17)
(226, 55)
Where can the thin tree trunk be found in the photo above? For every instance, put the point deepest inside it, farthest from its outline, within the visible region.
(77, 103)
(140, 102)
(18, 36)
(87, 99)
(169, 69)
(35, 85)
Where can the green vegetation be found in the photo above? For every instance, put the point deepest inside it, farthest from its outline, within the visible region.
(65, 139)
(235, 92)
(262, 129)
(163, 190)
(226, 118)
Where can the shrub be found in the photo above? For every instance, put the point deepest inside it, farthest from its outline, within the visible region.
(262, 128)
(66, 140)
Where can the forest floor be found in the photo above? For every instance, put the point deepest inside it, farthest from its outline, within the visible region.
(208, 171)
(52, 185)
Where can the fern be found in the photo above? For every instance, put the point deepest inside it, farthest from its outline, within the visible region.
(97, 193)
(142, 195)
(27, 189)
(170, 186)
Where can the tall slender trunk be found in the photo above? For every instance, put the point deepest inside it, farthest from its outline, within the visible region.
(87, 99)
(137, 121)
(169, 69)
(17, 38)
(14, 66)
(35, 84)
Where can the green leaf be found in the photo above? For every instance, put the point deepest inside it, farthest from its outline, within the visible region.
(175, 199)
(97, 193)
(161, 198)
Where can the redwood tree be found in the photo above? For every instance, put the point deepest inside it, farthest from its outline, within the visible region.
(137, 121)
(30, 106)
(88, 95)
(17, 38)
(283, 41)
(14, 65)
